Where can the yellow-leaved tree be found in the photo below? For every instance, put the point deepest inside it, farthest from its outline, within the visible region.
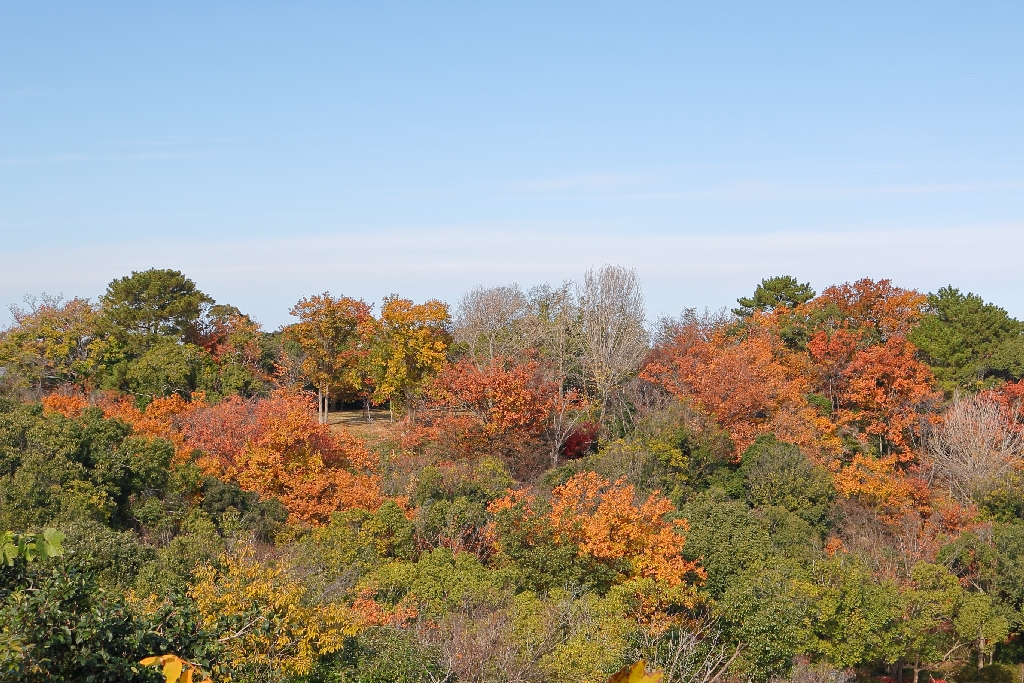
(411, 345)
(52, 343)
(270, 624)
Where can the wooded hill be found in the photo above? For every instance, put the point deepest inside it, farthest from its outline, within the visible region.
(537, 486)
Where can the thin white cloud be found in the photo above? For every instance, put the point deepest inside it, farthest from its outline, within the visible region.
(266, 276)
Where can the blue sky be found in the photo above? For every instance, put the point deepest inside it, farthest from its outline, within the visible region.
(271, 151)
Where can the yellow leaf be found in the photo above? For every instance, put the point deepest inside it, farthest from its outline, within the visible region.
(152, 661)
(635, 674)
(172, 669)
(187, 676)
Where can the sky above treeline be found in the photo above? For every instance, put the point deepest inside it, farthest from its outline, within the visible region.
(275, 150)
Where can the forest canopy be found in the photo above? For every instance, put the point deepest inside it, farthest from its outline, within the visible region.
(530, 485)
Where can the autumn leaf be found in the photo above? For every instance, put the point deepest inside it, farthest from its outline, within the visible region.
(287, 628)
(635, 674)
(602, 519)
(175, 669)
(876, 307)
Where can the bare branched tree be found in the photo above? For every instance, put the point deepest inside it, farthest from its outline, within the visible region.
(705, 323)
(611, 328)
(806, 671)
(480, 643)
(976, 446)
(490, 321)
(688, 655)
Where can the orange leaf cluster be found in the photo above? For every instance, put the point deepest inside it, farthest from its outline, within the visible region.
(881, 483)
(755, 378)
(335, 336)
(504, 409)
(887, 394)
(373, 613)
(163, 417)
(68, 405)
(604, 522)
(276, 448)
(503, 396)
(750, 385)
(1010, 398)
(889, 311)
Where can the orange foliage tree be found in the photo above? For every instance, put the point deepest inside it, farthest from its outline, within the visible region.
(881, 394)
(603, 521)
(68, 405)
(502, 396)
(888, 395)
(864, 364)
(274, 447)
(503, 408)
(227, 334)
(752, 378)
(334, 335)
(868, 305)
(162, 417)
(750, 384)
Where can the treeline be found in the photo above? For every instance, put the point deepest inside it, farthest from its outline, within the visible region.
(809, 487)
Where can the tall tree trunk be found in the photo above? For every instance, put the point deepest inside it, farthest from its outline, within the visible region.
(327, 405)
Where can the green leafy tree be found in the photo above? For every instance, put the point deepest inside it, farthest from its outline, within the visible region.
(773, 292)
(942, 620)
(388, 655)
(992, 572)
(727, 537)
(170, 368)
(852, 620)
(154, 303)
(30, 547)
(197, 545)
(58, 623)
(777, 474)
(760, 611)
(969, 343)
(438, 582)
(57, 469)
